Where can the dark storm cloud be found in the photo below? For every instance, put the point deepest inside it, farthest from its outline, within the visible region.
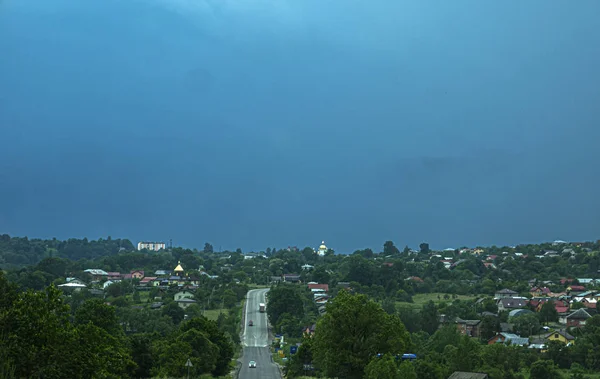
(275, 123)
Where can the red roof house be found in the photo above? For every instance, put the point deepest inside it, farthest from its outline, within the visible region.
(322, 287)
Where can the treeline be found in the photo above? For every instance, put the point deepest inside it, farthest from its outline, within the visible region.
(22, 251)
(42, 335)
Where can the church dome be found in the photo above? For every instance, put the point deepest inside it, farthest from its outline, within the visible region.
(323, 247)
(178, 268)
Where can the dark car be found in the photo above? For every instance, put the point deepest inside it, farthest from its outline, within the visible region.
(250, 323)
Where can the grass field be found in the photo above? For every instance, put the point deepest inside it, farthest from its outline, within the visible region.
(213, 314)
(420, 299)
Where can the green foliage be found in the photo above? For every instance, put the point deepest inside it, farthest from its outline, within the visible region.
(490, 325)
(526, 325)
(548, 312)
(430, 318)
(352, 332)
(174, 311)
(544, 370)
(302, 358)
(406, 370)
(41, 342)
(103, 316)
(382, 368)
(286, 308)
(20, 251)
(390, 249)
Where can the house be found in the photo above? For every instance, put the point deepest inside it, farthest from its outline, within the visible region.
(185, 302)
(506, 304)
(97, 274)
(468, 375)
(154, 246)
(518, 312)
(575, 289)
(293, 278)
(161, 272)
(561, 309)
(468, 327)
(315, 287)
(75, 281)
(577, 318)
(508, 338)
(137, 274)
(414, 279)
(540, 291)
(561, 336)
(114, 275)
(505, 293)
(307, 267)
(147, 280)
(589, 303)
(183, 295)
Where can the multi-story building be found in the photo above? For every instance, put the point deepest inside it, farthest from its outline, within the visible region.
(155, 246)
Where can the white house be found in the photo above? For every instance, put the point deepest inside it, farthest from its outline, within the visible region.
(154, 246)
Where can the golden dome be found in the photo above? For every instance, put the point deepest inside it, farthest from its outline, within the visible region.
(323, 247)
(179, 268)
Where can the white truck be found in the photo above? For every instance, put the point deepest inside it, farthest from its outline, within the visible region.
(261, 307)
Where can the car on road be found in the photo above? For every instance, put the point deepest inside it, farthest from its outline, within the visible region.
(250, 323)
(252, 364)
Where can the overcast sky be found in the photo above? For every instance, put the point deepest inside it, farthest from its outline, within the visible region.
(269, 123)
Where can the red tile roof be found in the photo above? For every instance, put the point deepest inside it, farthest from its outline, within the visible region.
(561, 309)
(324, 287)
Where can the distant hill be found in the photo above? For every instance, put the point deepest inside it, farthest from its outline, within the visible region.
(22, 251)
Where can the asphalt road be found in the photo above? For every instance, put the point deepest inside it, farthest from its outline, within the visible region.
(255, 341)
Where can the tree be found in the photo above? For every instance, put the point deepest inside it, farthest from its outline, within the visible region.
(526, 325)
(174, 311)
(96, 312)
(548, 312)
(142, 355)
(544, 370)
(490, 325)
(424, 247)
(430, 318)
(389, 305)
(390, 249)
(382, 368)
(208, 248)
(284, 299)
(352, 332)
(407, 370)
(212, 332)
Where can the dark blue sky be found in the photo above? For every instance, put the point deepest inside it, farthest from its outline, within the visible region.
(256, 123)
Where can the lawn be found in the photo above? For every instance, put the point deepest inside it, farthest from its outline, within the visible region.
(213, 314)
(420, 299)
